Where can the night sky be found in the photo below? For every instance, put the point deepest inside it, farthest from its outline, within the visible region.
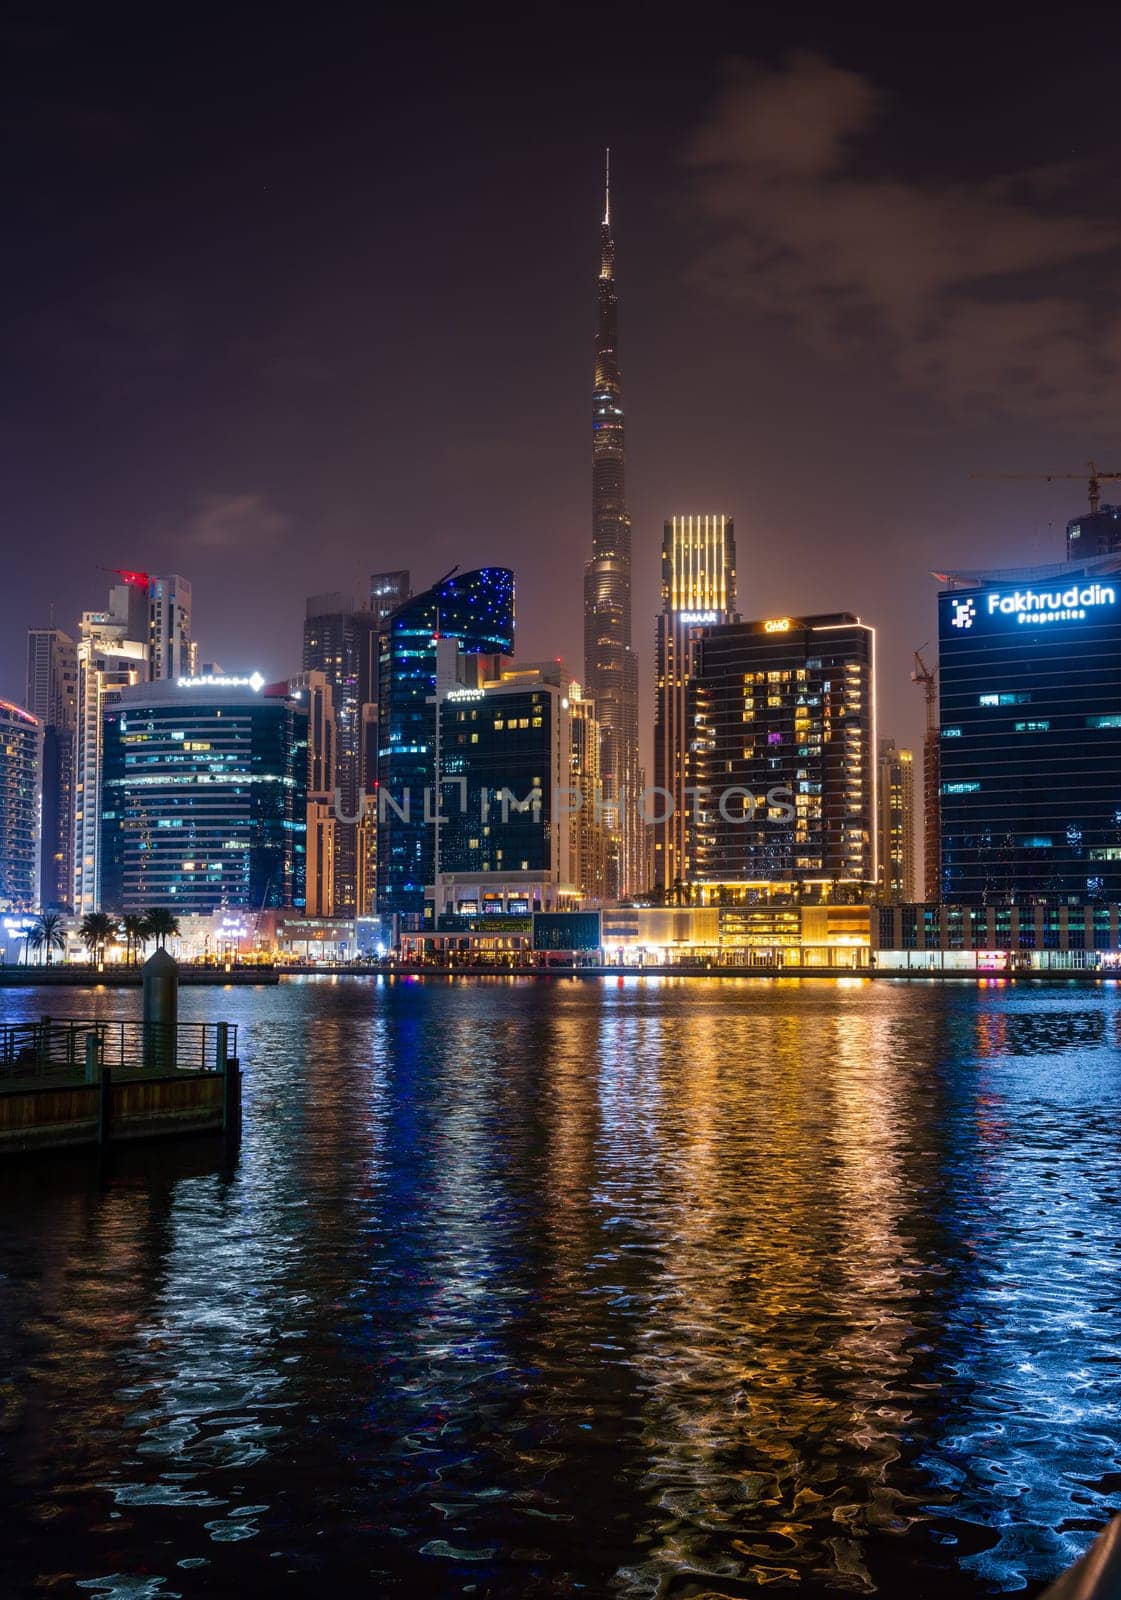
(289, 302)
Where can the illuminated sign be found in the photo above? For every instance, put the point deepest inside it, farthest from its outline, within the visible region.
(212, 681)
(1052, 605)
(778, 625)
(698, 618)
(1032, 606)
(465, 694)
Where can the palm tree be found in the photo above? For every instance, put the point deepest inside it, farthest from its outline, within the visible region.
(161, 925)
(46, 935)
(135, 929)
(95, 931)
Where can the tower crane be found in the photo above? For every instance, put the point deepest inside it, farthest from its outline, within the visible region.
(1092, 476)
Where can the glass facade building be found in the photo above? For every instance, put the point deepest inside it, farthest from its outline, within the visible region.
(341, 641)
(476, 610)
(698, 588)
(1030, 698)
(203, 800)
(52, 696)
(783, 758)
(20, 748)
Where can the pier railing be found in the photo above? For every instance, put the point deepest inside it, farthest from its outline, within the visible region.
(29, 1049)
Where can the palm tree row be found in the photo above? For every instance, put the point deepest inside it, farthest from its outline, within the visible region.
(98, 929)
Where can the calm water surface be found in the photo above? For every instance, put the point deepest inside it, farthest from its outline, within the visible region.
(610, 1288)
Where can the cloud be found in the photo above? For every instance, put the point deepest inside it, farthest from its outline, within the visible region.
(236, 522)
(987, 292)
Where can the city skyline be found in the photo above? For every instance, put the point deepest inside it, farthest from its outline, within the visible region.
(302, 468)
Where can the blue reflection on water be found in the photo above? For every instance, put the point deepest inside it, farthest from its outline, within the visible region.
(636, 1288)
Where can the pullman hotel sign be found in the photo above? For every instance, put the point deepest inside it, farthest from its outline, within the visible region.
(1044, 604)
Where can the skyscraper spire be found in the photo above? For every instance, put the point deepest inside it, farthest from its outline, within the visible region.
(610, 667)
(607, 187)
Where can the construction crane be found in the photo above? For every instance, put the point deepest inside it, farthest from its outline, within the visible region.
(932, 778)
(1092, 476)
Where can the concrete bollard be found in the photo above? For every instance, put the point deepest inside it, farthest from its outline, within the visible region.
(161, 1011)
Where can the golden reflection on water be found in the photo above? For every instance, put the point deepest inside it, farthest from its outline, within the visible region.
(637, 1286)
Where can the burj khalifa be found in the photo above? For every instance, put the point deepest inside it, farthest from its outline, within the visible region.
(610, 665)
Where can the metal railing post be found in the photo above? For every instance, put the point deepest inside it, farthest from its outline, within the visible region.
(221, 1046)
(92, 1057)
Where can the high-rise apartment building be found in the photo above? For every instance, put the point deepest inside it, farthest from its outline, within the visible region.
(314, 693)
(113, 653)
(171, 653)
(52, 697)
(895, 791)
(475, 610)
(143, 635)
(698, 590)
(20, 745)
(203, 798)
(610, 664)
(785, 758)
(341, 641)
(1030, 700)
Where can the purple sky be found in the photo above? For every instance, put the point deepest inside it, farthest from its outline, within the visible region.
(284, 307)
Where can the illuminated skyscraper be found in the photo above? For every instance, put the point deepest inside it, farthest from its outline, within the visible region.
(203, 798)
(610, 665)
(896, 801)
(785, 761)
(52, 696)
(341, 641)
(113, 653)
(20, 744)
(698, 589)
(474, 610)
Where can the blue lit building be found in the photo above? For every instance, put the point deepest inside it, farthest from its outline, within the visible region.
(476, 610)
(1030, 694)
(203, 798)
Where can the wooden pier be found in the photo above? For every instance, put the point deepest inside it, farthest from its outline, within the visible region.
(75, 1083)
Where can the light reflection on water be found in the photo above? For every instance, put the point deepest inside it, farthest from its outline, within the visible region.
(647, 1289)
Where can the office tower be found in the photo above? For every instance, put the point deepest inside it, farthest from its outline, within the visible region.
(502, 845)
(698, 589)
(610, 665)
(476, 610)
(113, 652)
(388, 590)
(785, 762)
(171, 653)
(341, 641)
(52, 697)
(20, 748)
(589, 838)
(203, 799)
(312, 691)
(895, 790)
(587, 832)
(1030, 699)
(1096, 533)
